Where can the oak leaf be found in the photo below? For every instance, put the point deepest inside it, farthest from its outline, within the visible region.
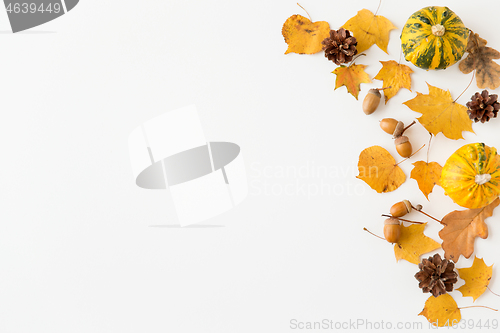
(477, 277)
(369, 29)
(395, 76)
(427, 175)
(480, 59)
(351, 77)
(440, 113)
(441, 311)
(304, 36)
(413, 243)
(378, 169)
(461, 227)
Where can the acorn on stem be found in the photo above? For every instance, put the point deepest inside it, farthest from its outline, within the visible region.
(392, 230)
(401, 208)
(392, 126)
(372, 100)
(403, 146)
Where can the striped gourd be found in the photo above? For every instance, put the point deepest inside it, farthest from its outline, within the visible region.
(471, 176)
(434, 38)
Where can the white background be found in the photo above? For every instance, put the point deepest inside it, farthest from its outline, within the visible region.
(82, 249)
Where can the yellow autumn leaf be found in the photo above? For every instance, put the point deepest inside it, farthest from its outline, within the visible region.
(378, 169)
(395, 76)
(477, 277)
(441, 311)
(351, 77)
(413, 243)
(427, 175)
(369, 29)
(440, 113)
(304, 36)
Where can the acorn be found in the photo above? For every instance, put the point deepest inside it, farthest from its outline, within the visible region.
(371, 101)
(403, 146)
(392, 126)
(401, 208)
(392, 230)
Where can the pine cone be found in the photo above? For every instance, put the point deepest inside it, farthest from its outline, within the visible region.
(436, 275)
(340, 47)
(483, 106)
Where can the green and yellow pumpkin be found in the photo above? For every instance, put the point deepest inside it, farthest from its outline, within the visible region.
(471, 175)
(434, 38)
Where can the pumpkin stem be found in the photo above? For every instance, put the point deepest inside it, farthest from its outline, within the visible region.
(438, 30)
(483, 178)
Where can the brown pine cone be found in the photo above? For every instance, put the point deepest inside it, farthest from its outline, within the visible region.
(436, 275)
(483, 106)
(340, 47)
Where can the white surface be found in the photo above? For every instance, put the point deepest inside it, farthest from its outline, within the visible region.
(78, 252)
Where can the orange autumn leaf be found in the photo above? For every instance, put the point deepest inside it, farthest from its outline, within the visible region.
(461, 227)
(304, 36)
(351, 77)
(395, 76)
(441, 311)
(413, 243)
(427, 175)
(378, 169)
(369, 29)
(480, 58)
(440, 113)
(477, 277)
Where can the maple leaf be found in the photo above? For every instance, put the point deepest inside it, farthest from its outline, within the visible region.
(304, 36)
(351, 77)
(427, 175)
(369, 29)
(440, 113)
(480, 59)
(441, 311)
(395, 76)
(413, 243)
(461, 227)
(477, 277)
(378, 169)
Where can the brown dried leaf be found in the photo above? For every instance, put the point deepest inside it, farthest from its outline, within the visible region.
(480, 59)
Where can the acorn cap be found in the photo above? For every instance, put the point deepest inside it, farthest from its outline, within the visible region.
(398, 131)
(374, 91)
(400, 140)
(391, 220)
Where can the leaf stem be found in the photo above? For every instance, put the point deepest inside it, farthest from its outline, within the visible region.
(492, 291)
(400, 219)
(473, 73)
(305, 11)
(373, 233)
(477, 306)
(429, 147)
(356, 57)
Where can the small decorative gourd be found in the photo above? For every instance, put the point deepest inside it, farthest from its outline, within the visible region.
(434, 38)
(471, 175)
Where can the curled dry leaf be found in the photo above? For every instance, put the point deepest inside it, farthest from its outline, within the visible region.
(427, 175)
(480, 59)
(395, 76)
(369, 29)
(477, 277)
(441, 311)
(378, 169)
(461, 227)
(413, 243)
(351, 77)
(304, 36)
(440, 113)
